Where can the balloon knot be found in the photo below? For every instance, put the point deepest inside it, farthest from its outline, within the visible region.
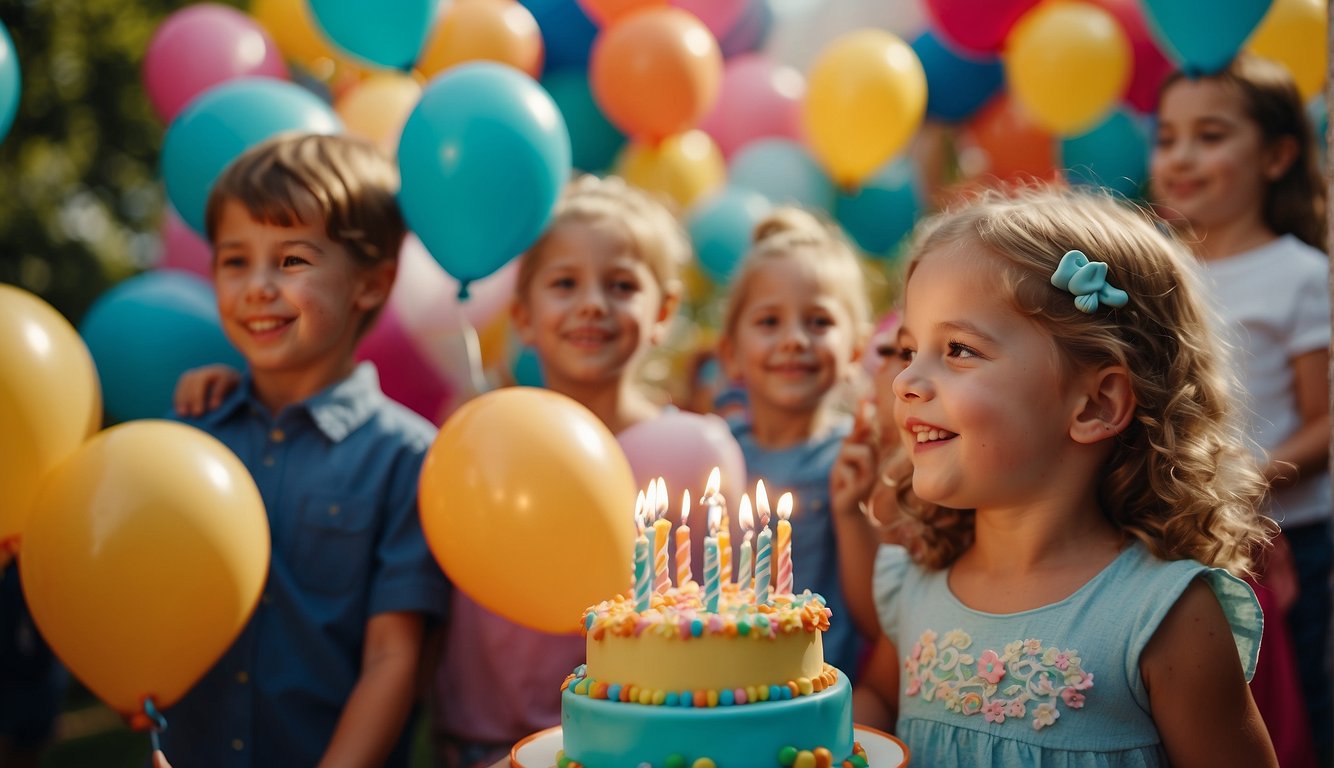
(463, 290)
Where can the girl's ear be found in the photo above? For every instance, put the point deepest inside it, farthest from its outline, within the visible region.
(521, 319)
(671, 299)
(1279, 157)
(1107, 407)
(727, 358)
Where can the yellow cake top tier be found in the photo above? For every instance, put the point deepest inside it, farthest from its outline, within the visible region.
(677, 645)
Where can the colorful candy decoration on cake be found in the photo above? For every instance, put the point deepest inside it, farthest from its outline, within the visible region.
(788, 757)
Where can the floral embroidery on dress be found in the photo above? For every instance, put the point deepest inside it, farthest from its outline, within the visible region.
(1025, 679)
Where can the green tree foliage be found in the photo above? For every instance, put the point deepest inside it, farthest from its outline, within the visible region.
(82, 201)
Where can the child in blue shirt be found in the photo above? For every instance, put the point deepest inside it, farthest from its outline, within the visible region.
(306, 232)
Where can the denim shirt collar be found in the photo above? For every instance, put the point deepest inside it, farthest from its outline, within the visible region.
(337, 411)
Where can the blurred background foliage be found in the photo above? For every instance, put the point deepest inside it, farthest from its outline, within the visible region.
(83, 201)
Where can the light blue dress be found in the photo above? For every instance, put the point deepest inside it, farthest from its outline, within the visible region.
(1057, 686)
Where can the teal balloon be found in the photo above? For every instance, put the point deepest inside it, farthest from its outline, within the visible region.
(883, 211)
(10, 82)
(527, 368)
(483, 157)
(1202, 37)
(390, 33)
(594, 141)
(225, 121)
(720, 228)
(1114, 155)
(784, 171)
(148, 330)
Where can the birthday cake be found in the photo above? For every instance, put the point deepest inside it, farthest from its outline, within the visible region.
(707, 676)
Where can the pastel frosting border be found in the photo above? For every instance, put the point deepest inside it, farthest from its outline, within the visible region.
(680, 612)
(579, 683)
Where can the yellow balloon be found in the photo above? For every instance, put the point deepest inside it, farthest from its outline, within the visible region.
(293, 29)
(490, 30)
(865, 98)
(527, 502)
(683, 167)
(143, 559)
(1068, 64)
(50, 400)
(377, 107)
(1293, 34)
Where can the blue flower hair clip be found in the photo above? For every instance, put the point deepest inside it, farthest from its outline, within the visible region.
(1087, 280)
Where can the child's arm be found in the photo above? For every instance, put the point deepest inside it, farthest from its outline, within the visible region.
(875, 698)
(1197, 693)
(202, 389)
(1306, 451)
(377, 711)
(851, 482)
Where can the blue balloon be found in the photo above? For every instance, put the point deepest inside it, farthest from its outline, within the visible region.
(527, 368)
(1201, 38)
(784, 171)
(883, 211)
(389, 33)
(148, 330)
(9, 82)
(594, 141)
(220, 124)
(1114, 155)
(750, 30)
(483, 157)
(567, 33)
(957, 84)
(721, 226)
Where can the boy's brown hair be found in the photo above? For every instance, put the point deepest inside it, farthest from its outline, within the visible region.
(344, 181)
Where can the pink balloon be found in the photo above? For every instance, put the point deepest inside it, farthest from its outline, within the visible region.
(718, 15)
(682, 448)
(759, 98)
(427, 297)
(183, 248)
(201, 46)
(1150, 67)
(405, 375)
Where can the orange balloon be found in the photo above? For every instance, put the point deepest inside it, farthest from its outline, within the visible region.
(50, 400)
(144, 557)
(656, 73)
(1004, 143)
(292, 27)
(377, 107)
(527, 502)
(607, 12)
(489, 30)
(683, 168)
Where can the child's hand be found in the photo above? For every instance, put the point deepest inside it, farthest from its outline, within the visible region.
(201, 390)
(853, 476)
(159, 759)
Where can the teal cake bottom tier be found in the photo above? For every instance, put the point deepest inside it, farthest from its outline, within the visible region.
(598, 733)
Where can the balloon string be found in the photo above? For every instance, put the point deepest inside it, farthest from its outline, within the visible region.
(473, 348)
(159, 724)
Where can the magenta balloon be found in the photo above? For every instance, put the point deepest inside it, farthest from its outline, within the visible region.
(759, 98)
(1150, 66)
(977, 25)
(718, 15)
(405, 374)
(183, 248)
(200, 46)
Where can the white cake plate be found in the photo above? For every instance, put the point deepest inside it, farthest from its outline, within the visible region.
(539, 749)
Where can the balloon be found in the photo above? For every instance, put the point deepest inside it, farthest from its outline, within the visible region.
(720, 228)
(1293, 34)
(681, 168)
(1150, 66)
(292, 26)
(145, 555)
(750, 32)
(594, 141)
(759, 98)
(203, 45)
(1068, 64)
(567, 32)
(657, 73)
(802, 29)
(720, 16)
(391, 36)
(957, 83)
(483, 158)
(10, 82)
(1203, 48)
(783, 171)
(148, 330)
(527, 502)
(883, 211)
(527, 369)
(377, 107)
(1114, 155)
(608, 12)
(865, 98)
(980, 26)
(182, 248)
(50, 401)
(490, 30)
(406, 375)
(224, 122)
(1003, 142)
